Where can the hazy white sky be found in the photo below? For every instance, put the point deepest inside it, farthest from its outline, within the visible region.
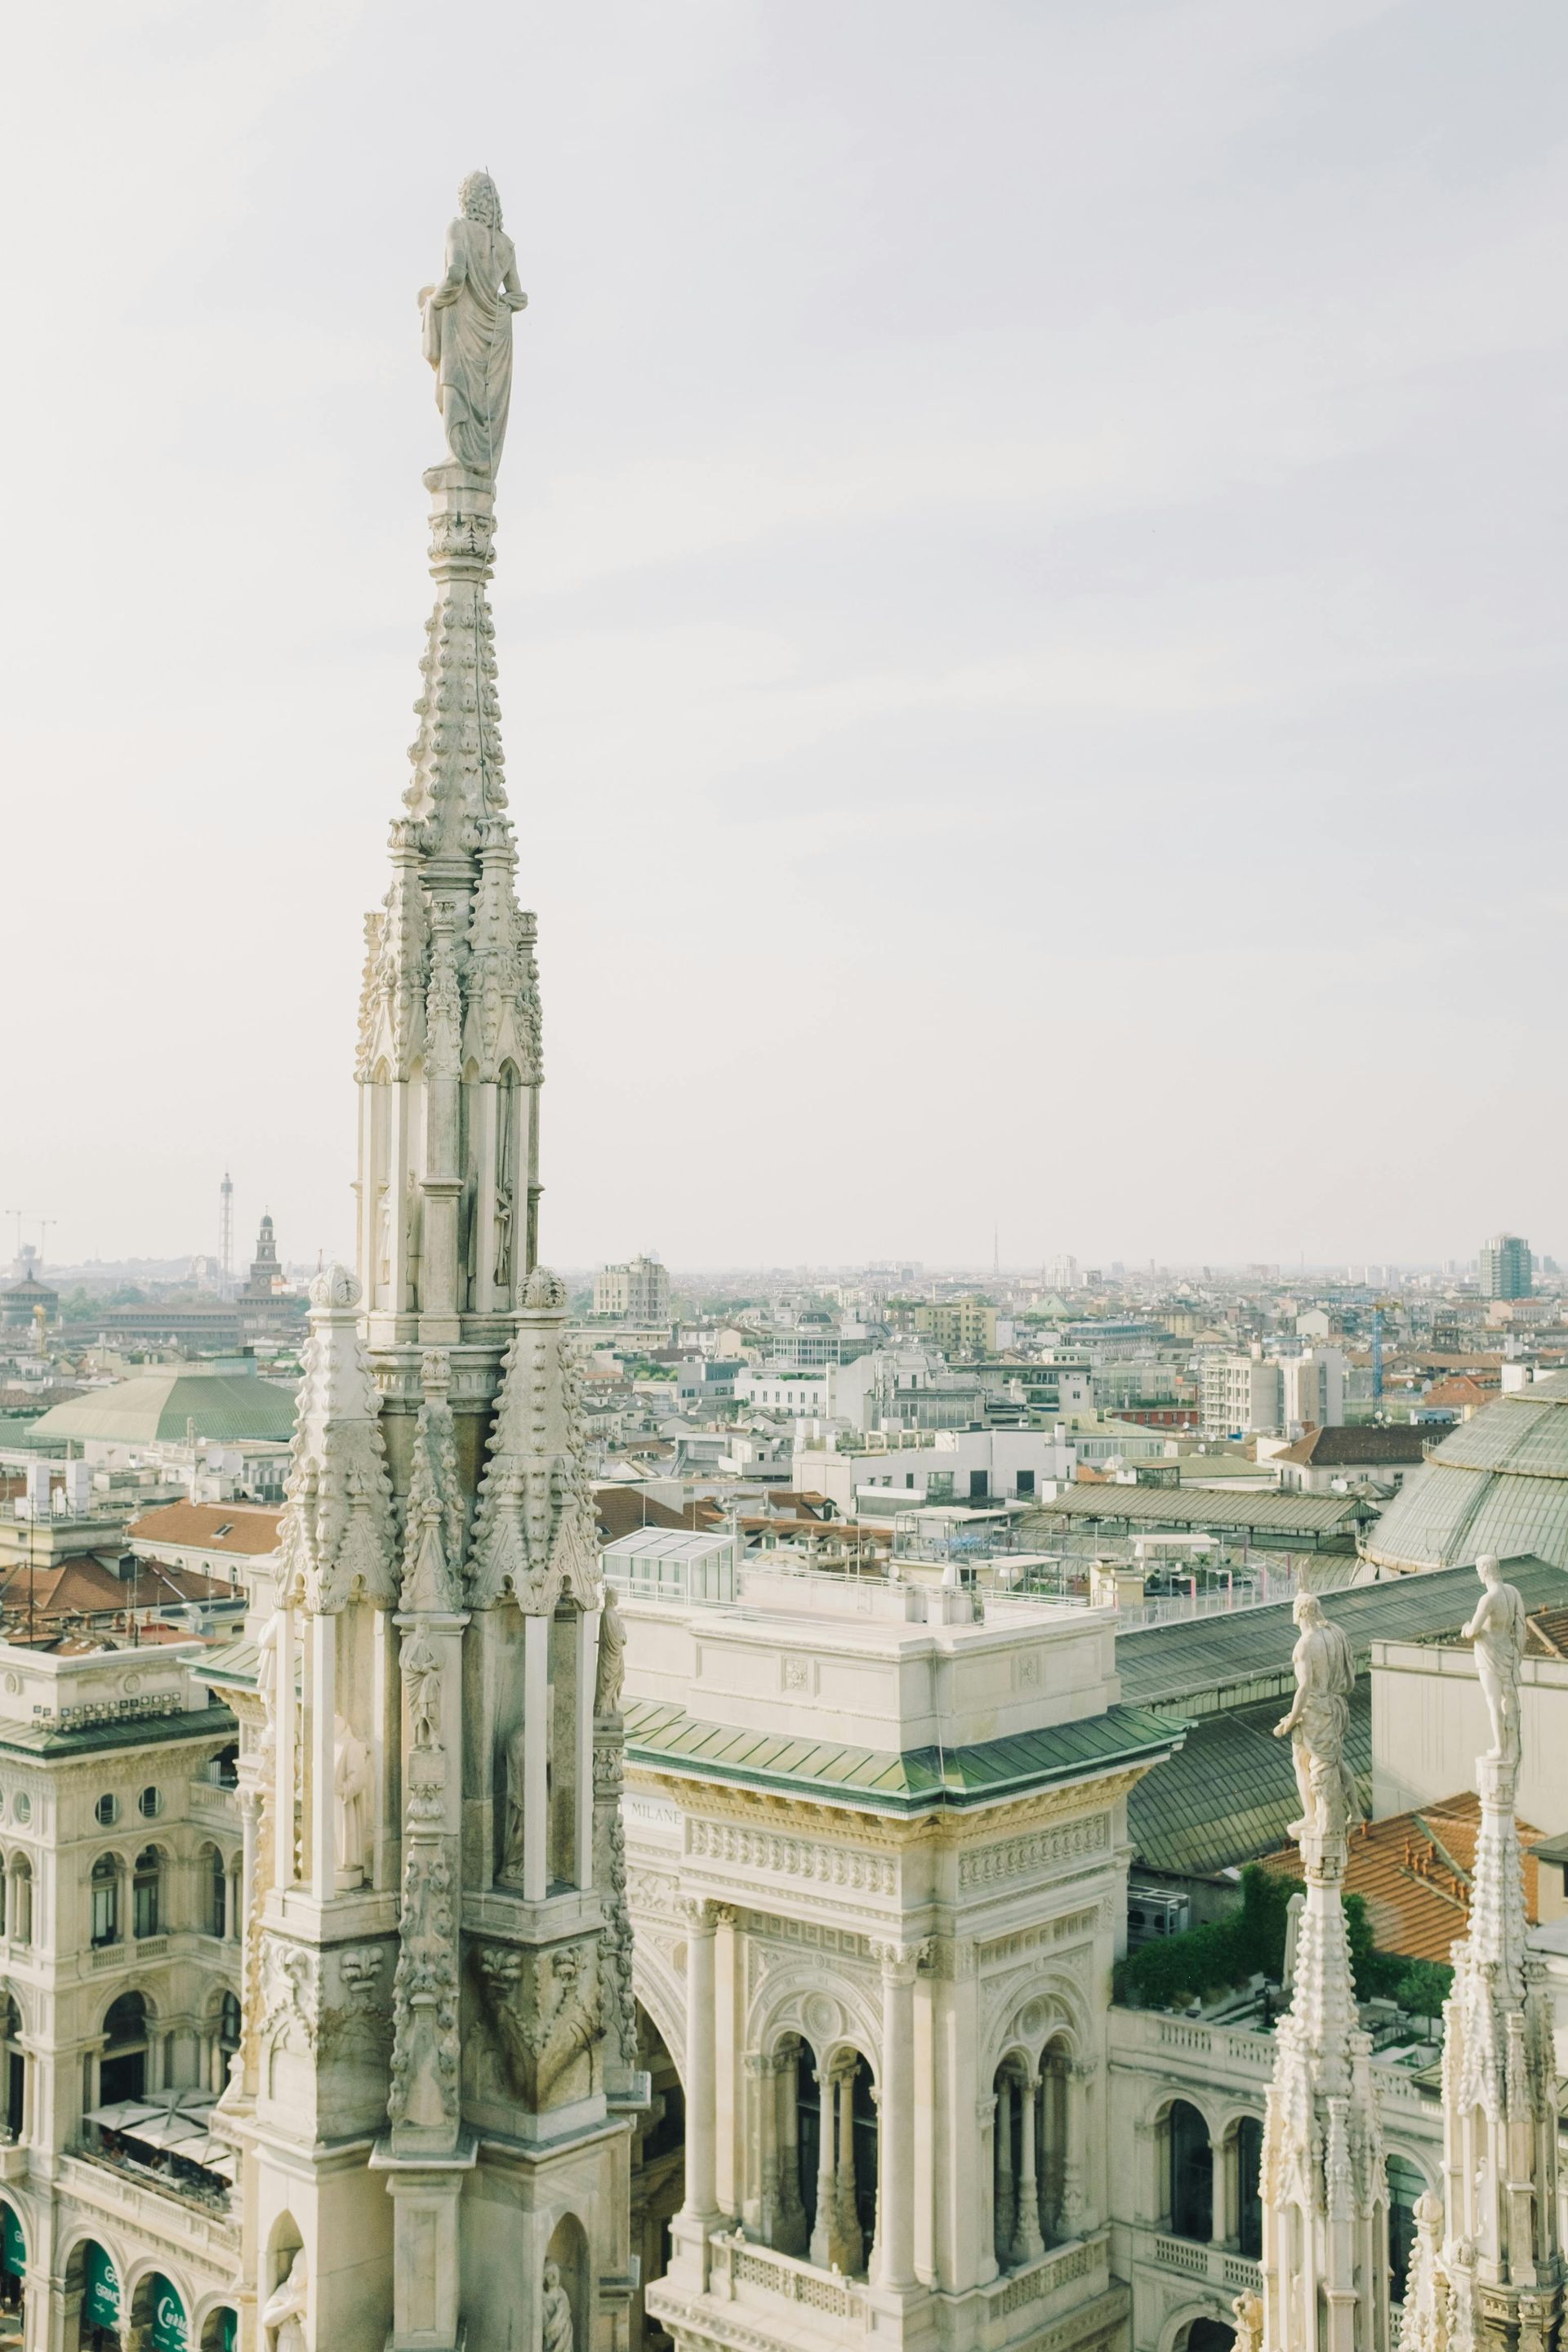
(1030, 606)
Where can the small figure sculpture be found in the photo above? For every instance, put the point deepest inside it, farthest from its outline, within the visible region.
(502, 1272)
(283, 2313)
(1498, 1630)
(1319, 1721)
(516, 1775)
(468, 328)
(557, 2312)
(1248, 2310)
(612, 1666)
(351, 1788)
(266, 1680)
(422, 1669)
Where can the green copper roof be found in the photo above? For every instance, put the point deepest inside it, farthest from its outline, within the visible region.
(881, 1781)
(1268, 1510)
(1209, 1663)
(1231, 1793)
(1499, 1483)
(45, 1737)
(160, 1405)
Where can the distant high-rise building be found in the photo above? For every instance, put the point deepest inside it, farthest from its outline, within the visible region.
(1504, 1267)
(637, 1292)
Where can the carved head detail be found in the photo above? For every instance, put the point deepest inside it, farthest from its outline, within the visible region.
(478, 200)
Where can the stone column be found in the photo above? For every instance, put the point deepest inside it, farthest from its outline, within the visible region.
(790, 2230)
(826, 2186)
(587, 1644)
(323, 1762)
(286, 1710)
(701, 2202)
(1005, 2220)
(1077, 2214)
(536, 1761)
(1028, 2241)
(896, 2120)
(849, 2250)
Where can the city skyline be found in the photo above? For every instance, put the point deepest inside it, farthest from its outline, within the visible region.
(995, 609)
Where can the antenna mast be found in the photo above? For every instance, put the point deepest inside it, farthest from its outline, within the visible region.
(226, 1238)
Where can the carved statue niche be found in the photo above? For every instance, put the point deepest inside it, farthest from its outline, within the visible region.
(555, 2312)
(283, 2313)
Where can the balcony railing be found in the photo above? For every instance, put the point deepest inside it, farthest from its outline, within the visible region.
(739, 2270)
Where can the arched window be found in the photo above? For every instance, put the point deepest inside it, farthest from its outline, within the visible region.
(1192, 2174)
(144, 1892)
(1404, 2186)
(215, 1891)
(1248, 2194)
(14, 2065)
(21, 1900)
(228, 2025)
(106, 1900)
(122, 2069)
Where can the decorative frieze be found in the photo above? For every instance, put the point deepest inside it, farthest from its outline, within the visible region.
(793, 1857)
(1019, 1857)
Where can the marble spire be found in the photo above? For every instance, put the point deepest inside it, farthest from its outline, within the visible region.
(1325, 2197)
(1501, 2252)
(439, 2070)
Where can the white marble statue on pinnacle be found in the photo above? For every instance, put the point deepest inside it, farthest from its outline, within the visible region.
(1325, 2184)
(1502, 2260)
(468, 328)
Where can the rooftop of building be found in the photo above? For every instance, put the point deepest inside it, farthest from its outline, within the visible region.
(871, 1667)
(1267, 1511)
(1415, 1872)
(165, 1406)
(1209, 1663)
(1356, 1445)
(236, 1530)
(666, 1737)
(1497, 1484)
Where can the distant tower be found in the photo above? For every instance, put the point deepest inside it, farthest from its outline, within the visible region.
(226, 1236)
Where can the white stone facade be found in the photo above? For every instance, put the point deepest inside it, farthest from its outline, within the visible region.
(887, 2002)
(120, 1862)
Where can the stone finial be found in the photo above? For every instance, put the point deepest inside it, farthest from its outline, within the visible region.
(544, 1292)
(335, 1287)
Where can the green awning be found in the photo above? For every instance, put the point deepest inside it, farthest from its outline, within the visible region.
(169, 2333)
(12, 2245)
(101, 2302)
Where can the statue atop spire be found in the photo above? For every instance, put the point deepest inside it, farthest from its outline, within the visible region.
(1324, 2185)
(468, 328)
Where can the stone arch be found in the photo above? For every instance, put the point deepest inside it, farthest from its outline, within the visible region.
(147, 2288)
(658, 2163)
(1161, 2097)
(662, 1994)
(1406, 2175)
(1035, 2013)
(126, 2046)
(83, 2324)
(1177, 2333)
(215, 2327)
(284, 2241)
(825, 2014)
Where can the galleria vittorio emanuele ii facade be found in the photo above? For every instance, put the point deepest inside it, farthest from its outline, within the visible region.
(481, 1950)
